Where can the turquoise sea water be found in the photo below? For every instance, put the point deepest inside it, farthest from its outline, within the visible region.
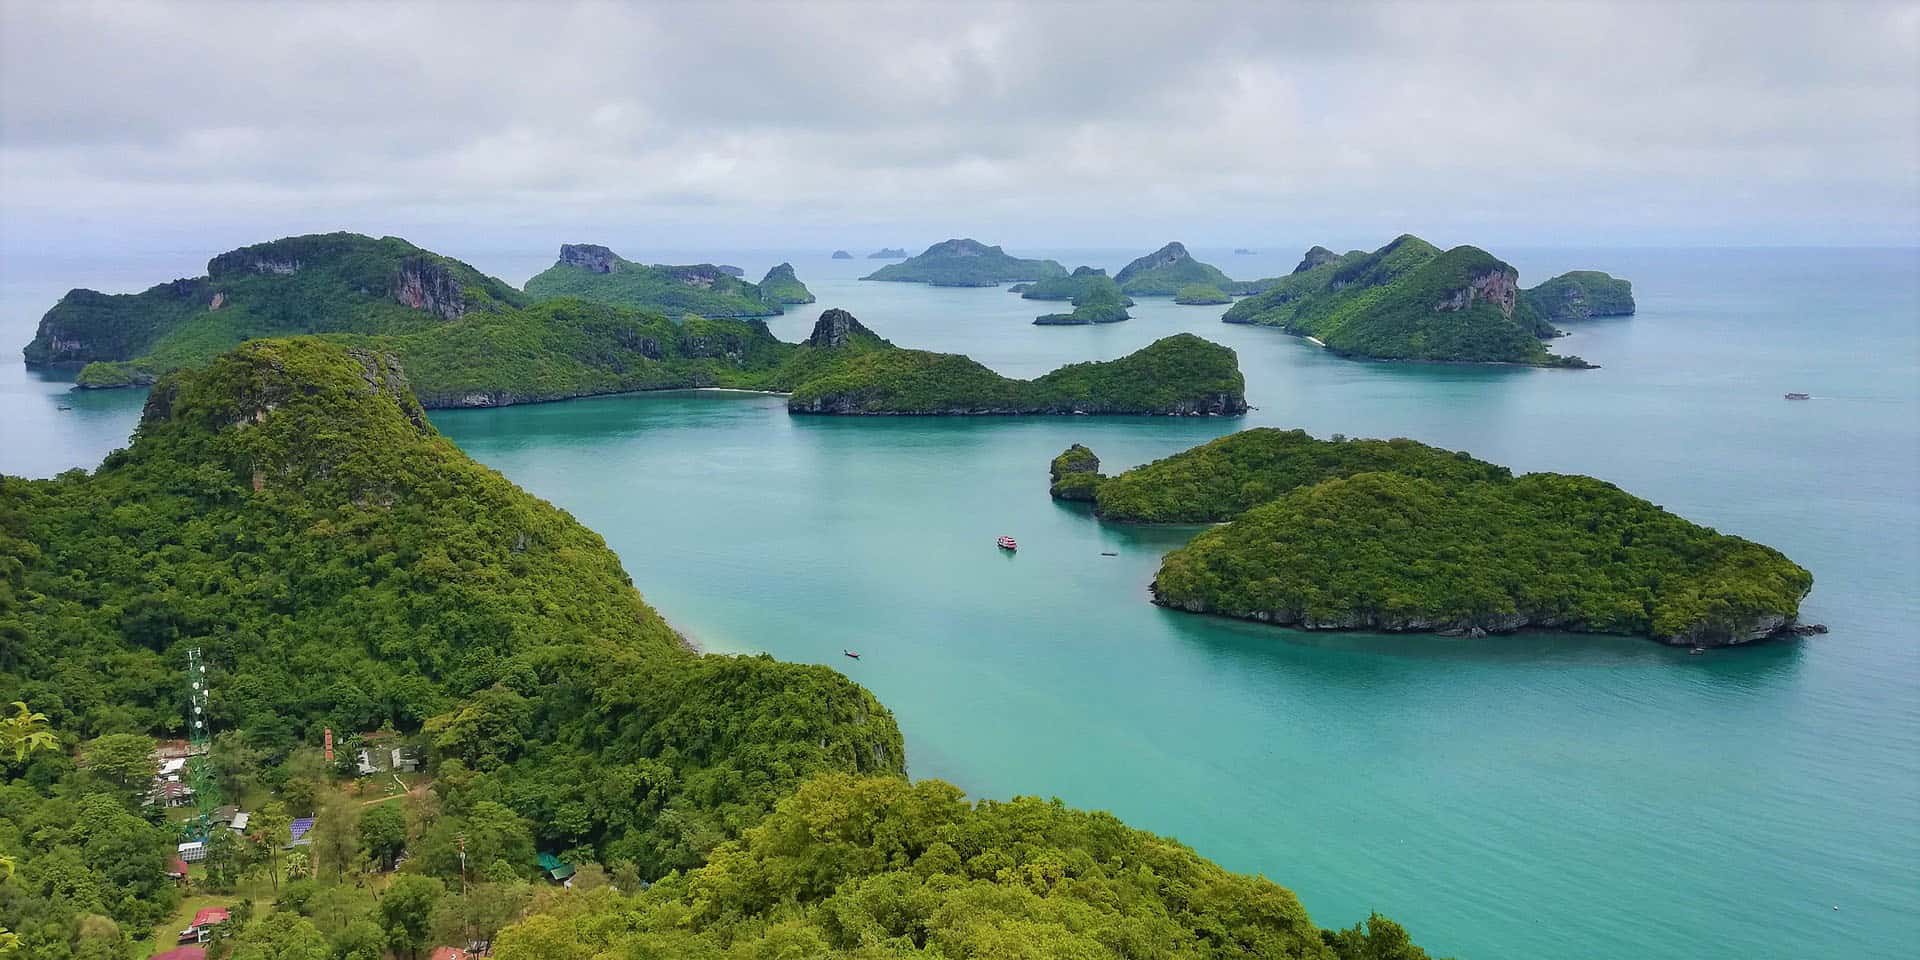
(1529, 796)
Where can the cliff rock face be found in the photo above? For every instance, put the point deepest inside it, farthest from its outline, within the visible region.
(1499, 287)
(1760, 627)
(590, 257)
(251, 260)
(700, 276)
(1166, 256)
(1315, 256)
(426, 284)
(834, 329)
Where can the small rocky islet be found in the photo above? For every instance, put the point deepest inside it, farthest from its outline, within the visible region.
(1394, 535)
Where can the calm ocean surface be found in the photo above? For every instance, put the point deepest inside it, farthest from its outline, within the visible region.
(1535, 796)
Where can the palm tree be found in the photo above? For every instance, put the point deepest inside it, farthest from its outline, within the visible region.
(26, 732)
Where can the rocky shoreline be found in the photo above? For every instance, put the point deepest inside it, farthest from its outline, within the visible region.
(1759, 629)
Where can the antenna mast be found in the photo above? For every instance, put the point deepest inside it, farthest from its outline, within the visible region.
(206, 788)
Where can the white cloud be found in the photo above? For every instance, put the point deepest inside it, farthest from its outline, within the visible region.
(766, 124)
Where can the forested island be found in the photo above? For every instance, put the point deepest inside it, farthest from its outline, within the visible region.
(888, 253)
(966, 263)
(1073, 286)
(325, 283)
(593, 272)
(1165, 271)
(1395, 535)
(1099, 301)
(468, 340)
(1581, 295)
(1181, 375)
(782, 287)
(1409, 300)
(287, 514)
(1094, 295)
(1201, 295)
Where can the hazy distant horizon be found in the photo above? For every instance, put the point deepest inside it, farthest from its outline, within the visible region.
(784, 126)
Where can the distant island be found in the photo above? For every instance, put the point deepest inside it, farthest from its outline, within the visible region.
(888, 253)
(782, 287)
(966, 263)
(1165, 271)
(1399, 536)
(468, 340)
(1409, 300)
(842, 255)
(1201, 294)
(593, 272)
(1073, 286)
(1244, 252)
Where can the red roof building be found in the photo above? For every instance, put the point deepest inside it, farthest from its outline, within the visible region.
(183, 953)
(449, 953)
(210, 916)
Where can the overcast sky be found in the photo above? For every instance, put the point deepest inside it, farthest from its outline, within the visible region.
(760, 126)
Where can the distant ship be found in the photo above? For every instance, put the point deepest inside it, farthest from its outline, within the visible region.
(1798, 396)
(1006, 543)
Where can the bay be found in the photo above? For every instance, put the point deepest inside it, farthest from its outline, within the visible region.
(1537, 795)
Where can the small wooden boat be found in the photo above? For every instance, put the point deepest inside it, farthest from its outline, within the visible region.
(1108, 553)
(1006, 543)
(1697, 651)
(850, 654)
(1798, 396)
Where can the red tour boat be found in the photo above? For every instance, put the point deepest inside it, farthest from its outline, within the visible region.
(1006, 543)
